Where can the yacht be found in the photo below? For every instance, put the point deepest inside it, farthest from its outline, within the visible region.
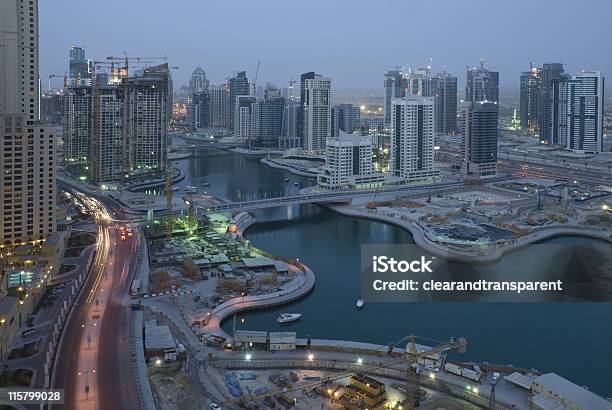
(296, 183)
(360, 303)
(288, 317)
(206, 184)
(286, 179)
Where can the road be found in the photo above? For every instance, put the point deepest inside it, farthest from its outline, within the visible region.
(93, 363)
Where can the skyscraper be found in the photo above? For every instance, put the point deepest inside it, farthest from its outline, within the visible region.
(269, 120)
(419, 82)
(244, 121)
(290, 137)
(530, 88)
(78, 67)
(219, 103)
(444, 87)
(482, 84)
(27, 155)
(76, 123)
(238, 85)
(581, 112)
(395, 87)
(316, 112)
(150, 105)
(345, 117)
(412, 138)
(479, 128)
(197, 100)
(548, 106)
(107, 131)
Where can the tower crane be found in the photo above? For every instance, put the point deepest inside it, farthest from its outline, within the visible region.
(410, 358)
(255, 79)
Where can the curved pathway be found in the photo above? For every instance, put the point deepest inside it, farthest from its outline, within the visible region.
(289, 292)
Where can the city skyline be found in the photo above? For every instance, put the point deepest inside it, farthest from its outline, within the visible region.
(356, 66)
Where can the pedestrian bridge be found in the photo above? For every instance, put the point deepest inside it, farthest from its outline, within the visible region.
(315, 197)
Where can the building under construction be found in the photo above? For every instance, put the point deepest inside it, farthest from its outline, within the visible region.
(118, 125)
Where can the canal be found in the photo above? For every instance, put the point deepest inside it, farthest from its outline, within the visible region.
(572, 339)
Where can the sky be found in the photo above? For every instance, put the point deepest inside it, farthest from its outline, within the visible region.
(352, 41)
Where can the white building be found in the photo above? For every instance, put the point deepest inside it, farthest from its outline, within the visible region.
(348, 162)
(244, 117)
(27, 157)
(316, 113)
(581, 112)
(412, 138)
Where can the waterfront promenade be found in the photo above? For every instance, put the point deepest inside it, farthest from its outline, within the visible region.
(482, 255)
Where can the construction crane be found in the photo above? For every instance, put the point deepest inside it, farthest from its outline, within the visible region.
(411, 358)
(255, 79)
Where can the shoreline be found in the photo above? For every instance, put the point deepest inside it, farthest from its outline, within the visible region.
(243, 221)
(489, 255)
(291, 169)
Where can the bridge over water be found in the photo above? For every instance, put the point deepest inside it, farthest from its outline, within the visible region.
(315, 197)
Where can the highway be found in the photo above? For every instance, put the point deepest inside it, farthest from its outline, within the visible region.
(93, 363)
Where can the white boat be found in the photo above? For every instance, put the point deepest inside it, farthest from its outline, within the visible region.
(288, 317)
(360, 303)
(286, 179)
(206, 184)
(296, 183)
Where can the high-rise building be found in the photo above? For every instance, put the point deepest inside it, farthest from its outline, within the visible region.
(419, 82)
(348, 161)
(79, 73)
(482, 84)
(444, 87)
(479, 128)
(530, 88)
(76, 123)
(245, 115)
(316, 112)
(345, 117)
(219, 102)
(395, 87)
(199, 110)
(269, 119)
(107, 131)
(412, 138)
(290, 137)
(51, 106)
(581, 112)
(238, 86)
(548, 105)
(198, 82)
(27, 155)
(197, 100)
(150, 110)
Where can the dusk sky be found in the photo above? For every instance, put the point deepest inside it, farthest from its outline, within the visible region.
(354, 42)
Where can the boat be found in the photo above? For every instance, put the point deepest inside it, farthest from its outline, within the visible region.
(206, 184)
(360, 303)
(286, 179)
(296, 183)
(288, 317)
